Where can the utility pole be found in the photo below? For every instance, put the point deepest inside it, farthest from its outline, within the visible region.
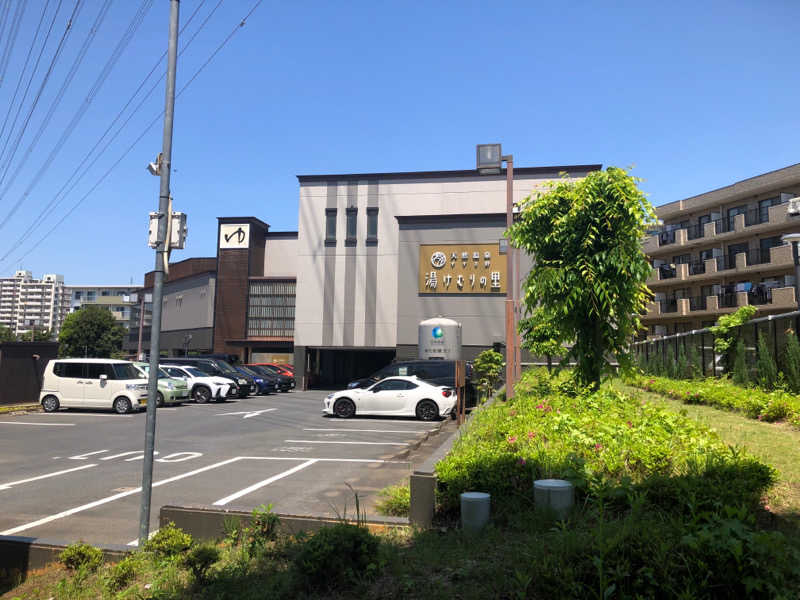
(162, 255)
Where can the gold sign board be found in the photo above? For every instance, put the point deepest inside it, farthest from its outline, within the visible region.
(461, 269)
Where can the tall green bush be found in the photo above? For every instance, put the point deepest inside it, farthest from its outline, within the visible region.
(791, 367)
(682, 365)
(740, 370)
(767, 370)
(695, 367)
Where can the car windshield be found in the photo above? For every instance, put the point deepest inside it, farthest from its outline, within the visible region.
(125, 371)
(250, 371)
(226, 368)
(269, 370)
(195, 372)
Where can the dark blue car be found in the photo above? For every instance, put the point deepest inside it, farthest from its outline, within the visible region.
(264, 384)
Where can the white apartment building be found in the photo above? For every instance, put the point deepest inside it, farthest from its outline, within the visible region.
(115, 298)
(27, 303)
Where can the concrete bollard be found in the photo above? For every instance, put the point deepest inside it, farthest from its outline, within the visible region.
(423, 499)
(474, 511)
(557, 494)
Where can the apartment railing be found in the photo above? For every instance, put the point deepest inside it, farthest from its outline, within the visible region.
(759, 295)
(727, 300)
(726, 262)
(670, 305)
(696, 231)
(697, 303)
(758, 256)
(666, 272)
(697, 267)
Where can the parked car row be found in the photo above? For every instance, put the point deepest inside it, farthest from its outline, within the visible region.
(119, 385)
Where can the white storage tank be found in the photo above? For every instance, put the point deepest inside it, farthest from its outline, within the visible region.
(439, 338)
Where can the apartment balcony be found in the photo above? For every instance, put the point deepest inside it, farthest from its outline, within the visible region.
(753, 222)
(772, 300)
(758, 260)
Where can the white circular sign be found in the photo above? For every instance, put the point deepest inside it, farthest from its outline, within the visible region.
(438, 259)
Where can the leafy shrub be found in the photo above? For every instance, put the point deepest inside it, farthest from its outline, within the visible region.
(262, 528)
(81, 556)
(395, 500)
(610, 446)
(199, 560)
(722, 393)
(488, 367)
(122, 573)
(337, 557)
(169, 541)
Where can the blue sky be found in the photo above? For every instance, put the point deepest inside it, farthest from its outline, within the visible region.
(693, 95)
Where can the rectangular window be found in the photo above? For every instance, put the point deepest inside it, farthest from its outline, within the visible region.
(372, 225)
(271, 309)
(352, 223)
(330, 226)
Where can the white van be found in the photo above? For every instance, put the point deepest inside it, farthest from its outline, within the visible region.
(92, 383)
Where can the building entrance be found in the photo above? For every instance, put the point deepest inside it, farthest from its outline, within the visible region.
(336, 368)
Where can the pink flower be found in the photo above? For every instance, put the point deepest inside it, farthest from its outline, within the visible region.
(512, 439)
(521, 462)
(760, 417)
(652, 381)
(531, 435)
(598, 447)
(540, 407)
(512, 412)
(766, 507)
(630, 424)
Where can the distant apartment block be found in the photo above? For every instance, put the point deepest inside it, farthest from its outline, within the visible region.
(116, 298)
(721, 250)
(27, 303)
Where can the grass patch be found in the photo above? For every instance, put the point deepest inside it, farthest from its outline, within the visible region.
(394, 501)
(777, 444)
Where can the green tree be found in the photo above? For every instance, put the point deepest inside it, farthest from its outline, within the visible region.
(488, 366)
(766, 367)
(589, 272)
(791, 366)
(6, 335)
(90, 331)
(741, 376)
(726, 332)
(40, 334)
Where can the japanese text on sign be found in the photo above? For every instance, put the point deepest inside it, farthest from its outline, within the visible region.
(461, 269)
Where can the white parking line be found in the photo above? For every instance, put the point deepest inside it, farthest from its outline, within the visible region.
(107, 499)
(149, 537)
(83, 456)
(42, 424)
(363, 443)
(260, 484)
(5, 486)
(373, 430)
(71, 414)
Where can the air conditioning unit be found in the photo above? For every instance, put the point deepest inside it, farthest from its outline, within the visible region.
(794, 207)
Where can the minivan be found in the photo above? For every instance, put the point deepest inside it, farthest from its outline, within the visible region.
(218, 368)
(92, 383)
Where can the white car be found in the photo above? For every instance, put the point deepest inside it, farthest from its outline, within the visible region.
(203, 386)
(393, 396)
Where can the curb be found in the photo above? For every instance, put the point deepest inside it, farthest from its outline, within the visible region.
(20, 409)
(417, 442)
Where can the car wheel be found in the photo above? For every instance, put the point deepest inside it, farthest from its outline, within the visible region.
(201, 394)
(427, 411)
(50, 404)
(344, 408)
(159, 399)
(122, 405)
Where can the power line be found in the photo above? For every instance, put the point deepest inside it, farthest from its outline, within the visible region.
(12, 37)
(30, 79)
(24, 68)
(105, 175)
(126, 38)
(53, 61)
(80, 172)
(76, 63)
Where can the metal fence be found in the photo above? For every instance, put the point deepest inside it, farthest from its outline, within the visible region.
(693, 352)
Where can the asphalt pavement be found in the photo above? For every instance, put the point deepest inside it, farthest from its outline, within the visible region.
(76, 474)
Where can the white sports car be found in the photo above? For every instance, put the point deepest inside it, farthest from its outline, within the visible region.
(203, 386)
(393, 396)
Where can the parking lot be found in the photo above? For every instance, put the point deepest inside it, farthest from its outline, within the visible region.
(76, 474)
